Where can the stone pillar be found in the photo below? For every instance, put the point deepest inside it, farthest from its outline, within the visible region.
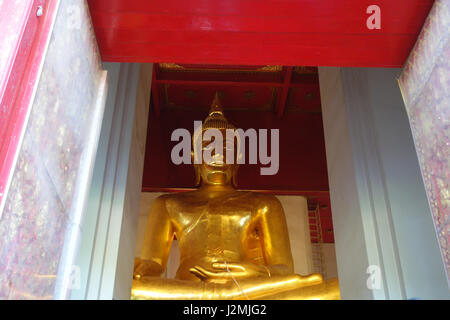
(46, 201)
(386, 244)
(425, 84)
(108, 239)
(296, 211)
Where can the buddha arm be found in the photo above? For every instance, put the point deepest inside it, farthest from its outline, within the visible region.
(158, 238)
(275, 239)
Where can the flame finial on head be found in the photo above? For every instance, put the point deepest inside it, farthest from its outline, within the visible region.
(216, 106)
(216, 118)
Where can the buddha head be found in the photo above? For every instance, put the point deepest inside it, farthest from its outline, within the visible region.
(215, 169)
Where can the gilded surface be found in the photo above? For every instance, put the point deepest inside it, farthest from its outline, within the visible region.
(233, 244)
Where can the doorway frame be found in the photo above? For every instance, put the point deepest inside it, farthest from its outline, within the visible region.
(107, 250)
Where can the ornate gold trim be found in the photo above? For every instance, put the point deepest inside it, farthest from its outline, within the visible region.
(177, 67)
(171, 66)
(305, 70)
(270, 69)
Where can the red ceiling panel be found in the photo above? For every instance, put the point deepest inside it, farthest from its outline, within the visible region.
(254, 32)
(304, 98)
(234, 97)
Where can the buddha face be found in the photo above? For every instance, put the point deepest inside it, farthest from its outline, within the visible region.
(216, 169)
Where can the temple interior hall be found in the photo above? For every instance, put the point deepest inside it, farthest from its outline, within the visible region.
(285, 98)
(94, 207)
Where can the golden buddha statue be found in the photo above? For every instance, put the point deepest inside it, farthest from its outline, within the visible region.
(233, 244)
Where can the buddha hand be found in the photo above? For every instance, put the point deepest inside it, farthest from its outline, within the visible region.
(228, 271)
(144, 268)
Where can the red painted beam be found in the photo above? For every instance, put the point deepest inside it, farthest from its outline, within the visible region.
(254, 32)
(155, 92)
(22, 48)
(227, 83)
(220, 83)
(284, 92)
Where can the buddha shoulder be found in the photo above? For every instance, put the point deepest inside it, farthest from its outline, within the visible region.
(174, 201)
(268, 201)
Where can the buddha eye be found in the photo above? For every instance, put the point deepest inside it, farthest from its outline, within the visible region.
(208, 146)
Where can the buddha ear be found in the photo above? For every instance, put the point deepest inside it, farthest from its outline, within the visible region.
(197, 172)
(197, 176)
(234, 180)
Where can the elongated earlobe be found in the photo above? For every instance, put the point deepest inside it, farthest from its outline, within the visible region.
(234, 180)
(197, 176)
(197, 171)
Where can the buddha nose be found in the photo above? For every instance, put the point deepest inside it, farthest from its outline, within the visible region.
(217, 159)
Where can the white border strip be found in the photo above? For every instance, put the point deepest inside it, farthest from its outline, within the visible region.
(82, 188)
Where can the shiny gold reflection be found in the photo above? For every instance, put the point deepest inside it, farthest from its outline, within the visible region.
(233, 244)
